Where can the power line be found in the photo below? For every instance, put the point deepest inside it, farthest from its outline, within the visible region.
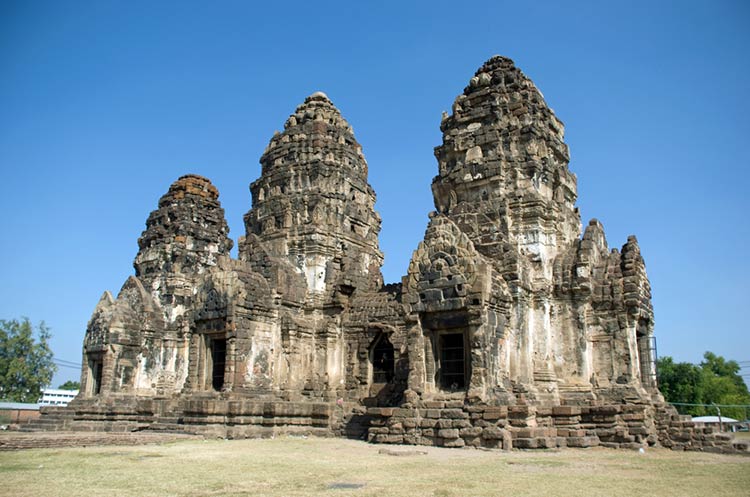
(68, 366)
(69, 363)
(72, 363)
(61, 359)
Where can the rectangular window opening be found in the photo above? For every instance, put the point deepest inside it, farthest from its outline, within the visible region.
(452, 356)
(96, 367)
(218, 362)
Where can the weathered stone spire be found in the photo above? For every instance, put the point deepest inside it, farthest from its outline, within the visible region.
(186, 233)
(312, 204)
(503, 167)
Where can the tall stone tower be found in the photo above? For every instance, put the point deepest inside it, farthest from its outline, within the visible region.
(138, 343)
(503, 170)
(504, 180)
(184, 237)
(312, 204)
(312, 232)
(532, 312)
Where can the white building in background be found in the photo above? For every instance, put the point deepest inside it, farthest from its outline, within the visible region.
(53, 397)
(723, 423)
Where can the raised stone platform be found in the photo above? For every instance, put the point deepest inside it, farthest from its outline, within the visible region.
(443, 423)
(226, 418)
(450, 423)
(18, 440)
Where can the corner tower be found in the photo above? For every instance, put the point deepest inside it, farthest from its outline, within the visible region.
(312, 204)
(537, 314)
(184, 237)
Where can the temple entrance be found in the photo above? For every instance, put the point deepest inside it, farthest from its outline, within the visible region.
(382, 366)
(382, 358)
(218, 347)
(452, 369)
(96, 367)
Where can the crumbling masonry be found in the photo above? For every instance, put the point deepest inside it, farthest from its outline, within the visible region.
(512, 327)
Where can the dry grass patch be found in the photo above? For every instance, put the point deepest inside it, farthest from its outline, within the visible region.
(302, 467)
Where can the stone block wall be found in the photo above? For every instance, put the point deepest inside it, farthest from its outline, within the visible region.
(451, 423)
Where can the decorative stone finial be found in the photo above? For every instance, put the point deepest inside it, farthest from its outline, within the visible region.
(192, 184)
(318, 95)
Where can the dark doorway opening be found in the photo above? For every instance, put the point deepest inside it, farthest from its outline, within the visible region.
(218, 362)
(382, 357)
(452, 361)
(96, 376)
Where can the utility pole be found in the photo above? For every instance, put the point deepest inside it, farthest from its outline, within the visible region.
(718, 412)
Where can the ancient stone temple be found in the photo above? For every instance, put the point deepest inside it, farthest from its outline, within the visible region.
(513, 327)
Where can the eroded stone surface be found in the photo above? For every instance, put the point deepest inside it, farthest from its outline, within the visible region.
(511, 328)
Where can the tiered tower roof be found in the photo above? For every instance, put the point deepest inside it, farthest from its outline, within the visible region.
(312, 203)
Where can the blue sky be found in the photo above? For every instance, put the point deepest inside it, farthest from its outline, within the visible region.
(105, 104)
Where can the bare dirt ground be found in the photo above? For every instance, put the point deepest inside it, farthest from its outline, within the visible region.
(337, 467)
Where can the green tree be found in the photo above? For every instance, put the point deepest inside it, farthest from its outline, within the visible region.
(70, 385)
(715, 381)
(721, 367)
(26, 365)
(722, 384)
(679, 382)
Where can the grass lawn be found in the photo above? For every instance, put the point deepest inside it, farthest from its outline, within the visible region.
(336, 467)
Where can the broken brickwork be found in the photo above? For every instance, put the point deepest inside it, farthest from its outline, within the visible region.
(513, 326)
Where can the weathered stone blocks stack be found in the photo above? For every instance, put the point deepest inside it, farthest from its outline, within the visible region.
(452, 424)
(679, 432)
